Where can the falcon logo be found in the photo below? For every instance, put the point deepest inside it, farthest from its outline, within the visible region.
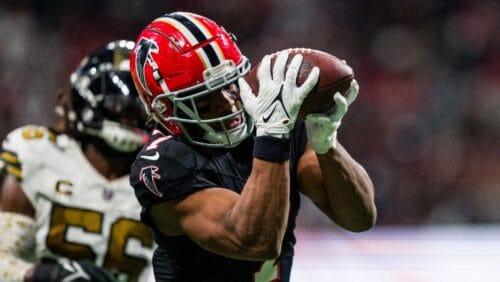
(148, 176)
(143, 57)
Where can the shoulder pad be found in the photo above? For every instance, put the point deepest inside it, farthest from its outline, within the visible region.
(24, 146)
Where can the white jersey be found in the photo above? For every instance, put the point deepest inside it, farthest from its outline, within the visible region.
(78, 213)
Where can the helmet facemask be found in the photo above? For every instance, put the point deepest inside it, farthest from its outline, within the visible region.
(189, 108)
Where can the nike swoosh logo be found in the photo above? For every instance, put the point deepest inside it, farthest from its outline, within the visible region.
(154, 157)
(266, 118)
(278, 99)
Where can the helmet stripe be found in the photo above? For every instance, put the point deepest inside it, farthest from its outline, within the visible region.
(181, 28)
(191, 39)
(192, 28)
(212, 56)
(214, 51)
(218, 50)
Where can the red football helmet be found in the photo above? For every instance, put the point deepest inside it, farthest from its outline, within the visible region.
(179, 60)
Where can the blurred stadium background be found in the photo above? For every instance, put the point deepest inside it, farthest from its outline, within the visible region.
(426, 124)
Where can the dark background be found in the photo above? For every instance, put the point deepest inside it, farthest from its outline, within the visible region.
(426, 123)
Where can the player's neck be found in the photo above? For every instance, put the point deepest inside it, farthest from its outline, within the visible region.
(108, 167)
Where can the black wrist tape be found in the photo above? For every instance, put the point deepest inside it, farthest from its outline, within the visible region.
(271, 148)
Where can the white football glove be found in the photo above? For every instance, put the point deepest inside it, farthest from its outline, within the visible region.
(322, 128)
(276, 107)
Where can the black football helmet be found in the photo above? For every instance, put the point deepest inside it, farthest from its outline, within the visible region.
(104, 101)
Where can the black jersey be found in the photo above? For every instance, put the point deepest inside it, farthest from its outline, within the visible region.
(167, 168)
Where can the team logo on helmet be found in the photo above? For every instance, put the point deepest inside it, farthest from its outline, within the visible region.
(143, 57)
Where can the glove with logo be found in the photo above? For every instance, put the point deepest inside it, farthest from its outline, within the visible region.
(322, 128)
(276, 107)
(73, 270)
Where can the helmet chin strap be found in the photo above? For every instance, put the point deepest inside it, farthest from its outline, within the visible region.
(116, 136)
(230, 138)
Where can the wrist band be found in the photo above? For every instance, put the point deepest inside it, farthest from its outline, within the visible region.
(271, 148)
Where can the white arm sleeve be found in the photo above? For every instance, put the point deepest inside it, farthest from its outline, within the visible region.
(17, 242)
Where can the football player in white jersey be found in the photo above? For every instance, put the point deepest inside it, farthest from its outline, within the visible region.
(68, 212)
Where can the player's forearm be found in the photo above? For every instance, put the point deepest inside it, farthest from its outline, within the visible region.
(260, 216)
(349, 190)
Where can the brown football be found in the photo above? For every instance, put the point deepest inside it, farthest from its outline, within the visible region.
(335, 76)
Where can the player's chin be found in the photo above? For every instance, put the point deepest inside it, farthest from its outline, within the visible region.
(237, 134)
(235, 122)
(228, 123)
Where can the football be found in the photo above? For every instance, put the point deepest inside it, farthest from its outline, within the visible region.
(335, 76)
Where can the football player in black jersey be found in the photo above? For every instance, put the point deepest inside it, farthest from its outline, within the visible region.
(221, 176)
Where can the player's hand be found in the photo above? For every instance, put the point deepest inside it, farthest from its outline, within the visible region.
(322, 128)
(276, 107)
(72, 270)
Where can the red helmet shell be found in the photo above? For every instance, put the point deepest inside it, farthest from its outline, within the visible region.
(175, 50)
